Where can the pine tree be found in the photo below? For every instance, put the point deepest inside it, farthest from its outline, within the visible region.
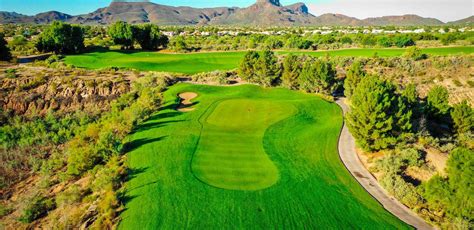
(354, 75)
(317, 76)
(5, 54)
(371, 118)
(463, 118)
(267, 69)
(325, 76)
(306, 79)
(247, 66)
(291, 71)
(437, 103)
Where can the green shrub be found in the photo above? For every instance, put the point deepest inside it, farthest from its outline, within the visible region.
(37, 207)
(415, 53)
(4, 210)
(470, 83)
(403, 191)
(10, 73)
(411, 157)
(71, 195)
(457, 83)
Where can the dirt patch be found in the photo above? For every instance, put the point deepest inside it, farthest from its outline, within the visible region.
(186, 105)
(437, 159)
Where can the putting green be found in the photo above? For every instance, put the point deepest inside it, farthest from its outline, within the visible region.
(230, 154)
(246, 157)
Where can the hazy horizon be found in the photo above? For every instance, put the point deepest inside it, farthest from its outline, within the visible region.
(444, 10)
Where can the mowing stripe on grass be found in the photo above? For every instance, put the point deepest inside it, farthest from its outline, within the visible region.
(314, 189)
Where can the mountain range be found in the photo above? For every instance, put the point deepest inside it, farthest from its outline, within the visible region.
(262, 13)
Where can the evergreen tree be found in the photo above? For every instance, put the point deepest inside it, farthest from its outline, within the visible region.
(5, 54)
(291, 71)
(371, 118)
(463, 117)
(403, 117)
(122, 34)
(306, 80)
(267, 68)
(247, 66)
(317, 76)
(325, 76)
(410, 94)
(354, 75)
(437, 103)
(454, 194)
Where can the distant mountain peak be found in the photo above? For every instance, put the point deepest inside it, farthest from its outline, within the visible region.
(262, 13)
(272, 2)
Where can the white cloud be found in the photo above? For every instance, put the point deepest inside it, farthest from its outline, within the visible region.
(445, 10)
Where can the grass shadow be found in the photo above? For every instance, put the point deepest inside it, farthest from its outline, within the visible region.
(154, 125)
(135, 144)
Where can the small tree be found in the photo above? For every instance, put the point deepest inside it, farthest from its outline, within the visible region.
(61, 38)
(149, 37)
(453, 194)
(354, 75)
(403, 41)
(415, 53)
(463, 117)
(122, 34)
(247, 66)
(267, 68)
(291, 71)
(5, 54)
(178, 44)
(317, 76)
(371, 118)
(437, 102)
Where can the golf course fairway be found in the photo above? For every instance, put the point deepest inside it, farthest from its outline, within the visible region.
(245, 157)
(191, 63)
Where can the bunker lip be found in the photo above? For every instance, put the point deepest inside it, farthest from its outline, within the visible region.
(185, 101)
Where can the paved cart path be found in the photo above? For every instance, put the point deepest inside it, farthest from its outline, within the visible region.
(352, 162)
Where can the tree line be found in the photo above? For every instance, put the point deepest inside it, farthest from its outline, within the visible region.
(64, 38)
(385, 117)
(294, 71)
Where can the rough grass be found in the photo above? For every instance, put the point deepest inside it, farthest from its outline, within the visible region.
(290, 134)
(206, 62)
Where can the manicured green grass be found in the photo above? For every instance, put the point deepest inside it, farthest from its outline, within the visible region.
(245, 158)
(206, 62)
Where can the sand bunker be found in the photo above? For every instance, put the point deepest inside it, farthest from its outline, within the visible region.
(185, 105)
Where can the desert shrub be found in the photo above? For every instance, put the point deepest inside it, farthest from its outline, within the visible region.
(410, 156)
(4, 210)
(402, 190)
(36, 207)
(107, 210)
(71, 195)
(10, 73)
(457, 83)
(470, 83)
(37, 81)
(103, 139)
(415, 53)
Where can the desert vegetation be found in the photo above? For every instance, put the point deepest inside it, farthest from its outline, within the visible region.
(96, 130)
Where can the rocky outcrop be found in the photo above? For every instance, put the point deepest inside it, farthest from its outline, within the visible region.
(35, 95)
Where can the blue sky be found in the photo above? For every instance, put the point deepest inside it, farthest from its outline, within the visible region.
(446, 10)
